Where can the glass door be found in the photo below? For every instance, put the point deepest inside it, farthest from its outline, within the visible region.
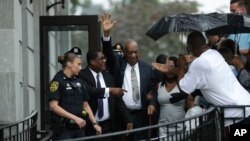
(58, 34)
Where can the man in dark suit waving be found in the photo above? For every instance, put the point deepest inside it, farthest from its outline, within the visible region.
(131, 74)
(105, 99)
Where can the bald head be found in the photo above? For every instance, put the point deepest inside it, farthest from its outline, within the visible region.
(196, 43)
(196, 39)
(128, 42)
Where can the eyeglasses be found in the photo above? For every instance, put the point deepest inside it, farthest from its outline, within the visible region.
(101, 59)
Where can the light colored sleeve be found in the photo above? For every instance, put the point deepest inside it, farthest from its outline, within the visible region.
(190, 81)
(106, 94)
(243, 40)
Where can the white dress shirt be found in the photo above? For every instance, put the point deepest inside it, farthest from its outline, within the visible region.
(106, 38)
(213, 76)
(106, 113)
(127, 85)
(128, 96)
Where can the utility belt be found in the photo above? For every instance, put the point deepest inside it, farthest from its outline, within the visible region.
(59, 127)
(60, 122)
(69, 124)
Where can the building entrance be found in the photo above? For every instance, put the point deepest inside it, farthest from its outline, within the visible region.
(58, 34)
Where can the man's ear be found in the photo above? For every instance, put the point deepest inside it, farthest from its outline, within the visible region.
(92, 62)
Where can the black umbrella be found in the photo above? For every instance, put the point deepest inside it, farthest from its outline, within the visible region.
(233, 24)
(213, 23)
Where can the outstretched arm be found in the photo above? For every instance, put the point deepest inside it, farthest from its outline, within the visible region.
(107, 25)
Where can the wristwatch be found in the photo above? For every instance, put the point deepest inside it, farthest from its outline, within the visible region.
(95, 123)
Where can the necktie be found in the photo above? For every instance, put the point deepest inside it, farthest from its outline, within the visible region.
(100, 101)
(135, 89)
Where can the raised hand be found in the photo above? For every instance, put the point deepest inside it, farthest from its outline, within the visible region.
(189, 58)
(107, 23)
(161, 67)
(182, 61)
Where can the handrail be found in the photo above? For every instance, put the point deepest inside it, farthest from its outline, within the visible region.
(207, 124)
(24, 129)
(33, 113)
(232, 106)
(210, 110)
(222, 109)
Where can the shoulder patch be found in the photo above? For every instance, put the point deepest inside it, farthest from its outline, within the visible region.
(53, 86)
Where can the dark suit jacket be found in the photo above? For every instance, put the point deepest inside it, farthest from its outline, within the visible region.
(117, 65)
(116, 104)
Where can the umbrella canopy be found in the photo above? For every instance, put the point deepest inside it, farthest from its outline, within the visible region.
(213, 23)
(233, 24)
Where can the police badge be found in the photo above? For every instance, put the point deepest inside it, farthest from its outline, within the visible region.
(53, 86)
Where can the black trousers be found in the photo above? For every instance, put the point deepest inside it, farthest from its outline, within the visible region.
(63, 132)
(106, 128)
(138, 119)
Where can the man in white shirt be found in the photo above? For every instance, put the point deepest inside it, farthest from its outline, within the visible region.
(132, 74)
(212, 75)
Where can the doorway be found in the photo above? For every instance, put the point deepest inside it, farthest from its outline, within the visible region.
(58, 34)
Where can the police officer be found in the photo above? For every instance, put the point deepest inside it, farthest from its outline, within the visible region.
(76, 50)
(67, 100)
(117, 49)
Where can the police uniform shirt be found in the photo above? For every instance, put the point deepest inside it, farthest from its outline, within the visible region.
(69, 92)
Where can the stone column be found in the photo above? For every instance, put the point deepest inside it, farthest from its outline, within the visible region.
(11, 75)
